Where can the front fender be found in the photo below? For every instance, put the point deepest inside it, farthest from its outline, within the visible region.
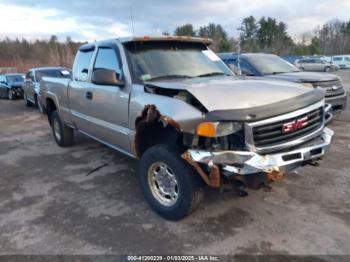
(187, 116)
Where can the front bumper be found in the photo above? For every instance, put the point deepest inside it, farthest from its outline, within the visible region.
(338, 103)
(246, 162)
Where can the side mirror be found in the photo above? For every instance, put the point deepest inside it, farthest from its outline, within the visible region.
(106, 77)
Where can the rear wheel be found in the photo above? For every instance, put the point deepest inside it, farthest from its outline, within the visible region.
(171, 187)
(63, 134)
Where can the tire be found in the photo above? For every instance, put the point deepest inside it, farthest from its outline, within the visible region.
(302, 68)
(188, 184)
(26, 101)
(35, 101)
(10, 95)
(41, 109)
(327, 69)
(63, 134)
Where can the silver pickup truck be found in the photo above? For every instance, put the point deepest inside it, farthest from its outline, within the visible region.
(173, 104)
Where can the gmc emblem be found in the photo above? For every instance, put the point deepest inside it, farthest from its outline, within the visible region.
(295, 125)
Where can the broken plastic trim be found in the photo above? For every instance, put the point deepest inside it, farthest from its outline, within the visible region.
(214, 178)
(182, 95)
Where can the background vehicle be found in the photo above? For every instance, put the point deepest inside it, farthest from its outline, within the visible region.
(31, 86)
(172, 103)
(314, 64)
(11, 86)
(342, 61)
(273, 67)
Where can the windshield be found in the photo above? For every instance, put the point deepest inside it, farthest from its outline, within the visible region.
(60, 73)
(15, 78)
(271, 64)
(156, 60)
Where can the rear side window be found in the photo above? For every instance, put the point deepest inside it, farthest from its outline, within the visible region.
(59, 73)
(107, 59)
(81, 66)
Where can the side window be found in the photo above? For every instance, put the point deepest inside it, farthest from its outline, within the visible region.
(31, 76)
(337, 59)
(107, 59)
(82, 64)
(231, 62)
(246, 68)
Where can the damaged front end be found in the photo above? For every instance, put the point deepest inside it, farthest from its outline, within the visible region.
(261, 151)
(251, 146)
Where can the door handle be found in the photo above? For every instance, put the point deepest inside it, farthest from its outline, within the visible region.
(88, 95)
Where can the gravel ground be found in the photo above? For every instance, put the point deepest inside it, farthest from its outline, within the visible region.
(50, 204)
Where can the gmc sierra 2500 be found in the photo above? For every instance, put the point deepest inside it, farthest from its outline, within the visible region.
(172, 103)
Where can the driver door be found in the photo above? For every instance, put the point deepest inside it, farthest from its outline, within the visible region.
(108, 105)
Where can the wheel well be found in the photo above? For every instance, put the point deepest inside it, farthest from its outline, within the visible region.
(155, 134)
(50, 108)
(153, 129)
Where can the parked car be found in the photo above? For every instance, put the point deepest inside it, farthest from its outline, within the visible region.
(31, 86)
(342, 61)
(314, 64)
(273, 67)
(185, 119)
(11, 86)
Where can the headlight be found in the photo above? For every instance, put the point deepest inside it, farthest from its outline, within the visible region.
(309, 85)
(217, 129)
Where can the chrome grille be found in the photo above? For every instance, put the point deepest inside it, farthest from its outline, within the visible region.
(272, 134)
(332, 88)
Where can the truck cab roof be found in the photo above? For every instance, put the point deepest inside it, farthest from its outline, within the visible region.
(89, 46)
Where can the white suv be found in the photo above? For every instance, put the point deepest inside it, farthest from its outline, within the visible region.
(342, 61)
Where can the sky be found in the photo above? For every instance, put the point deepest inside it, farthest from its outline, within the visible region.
(88, 20)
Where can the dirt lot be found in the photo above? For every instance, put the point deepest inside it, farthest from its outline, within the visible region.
(50, 204)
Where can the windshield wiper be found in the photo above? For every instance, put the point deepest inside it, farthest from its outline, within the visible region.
(168, 77)
(212, 74)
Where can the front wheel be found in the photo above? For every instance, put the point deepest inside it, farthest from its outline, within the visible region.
(10, 95)
(63, 134)
(327, 69)
(171, 187)
(41, 109)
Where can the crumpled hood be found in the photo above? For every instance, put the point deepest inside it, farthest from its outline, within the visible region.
(230, 93)
(304, 77)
